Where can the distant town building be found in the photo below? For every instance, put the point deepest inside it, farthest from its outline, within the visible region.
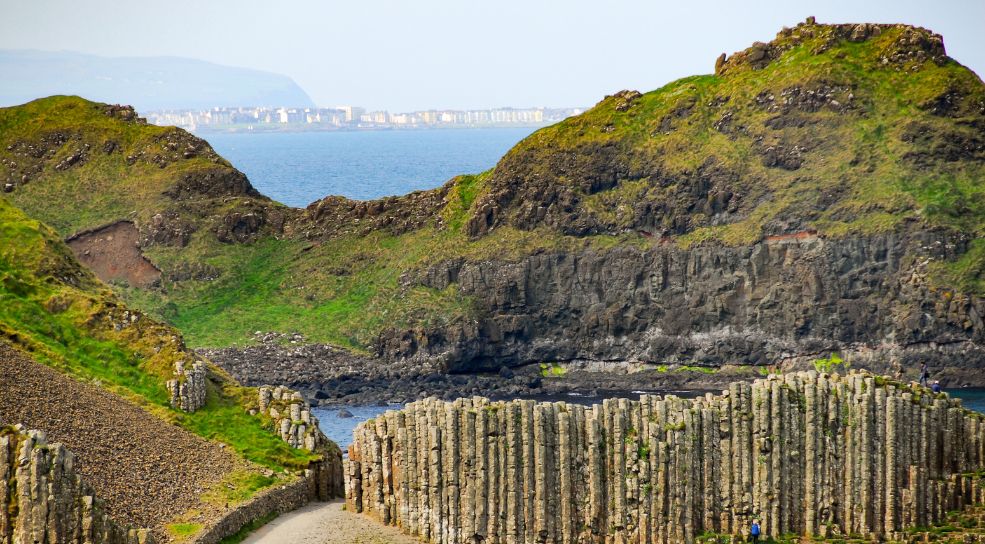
(353, 117)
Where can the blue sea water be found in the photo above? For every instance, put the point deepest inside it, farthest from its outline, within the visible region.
(301, 167)
(973, 398)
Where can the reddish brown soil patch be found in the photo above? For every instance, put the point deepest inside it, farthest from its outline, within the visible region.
(113, 254)
(147, 470)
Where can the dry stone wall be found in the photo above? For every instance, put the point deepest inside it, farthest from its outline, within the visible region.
(43, 500)
(277, 500)
(805, 453)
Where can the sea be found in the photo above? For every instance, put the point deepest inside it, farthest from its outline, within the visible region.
(297, 168)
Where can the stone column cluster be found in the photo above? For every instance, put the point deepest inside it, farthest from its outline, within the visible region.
(293, 420)
(805, 453)
(43, 500)
(188, 388)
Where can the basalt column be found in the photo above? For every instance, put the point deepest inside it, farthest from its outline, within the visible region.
(807, 453)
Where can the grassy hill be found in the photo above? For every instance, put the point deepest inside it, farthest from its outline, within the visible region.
(834, 130)
(843, 129)
(54, 311)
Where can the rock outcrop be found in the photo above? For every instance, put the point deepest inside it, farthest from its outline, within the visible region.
(188, 388)
(785, 297)
(293, 420)
(44, 501)
(804, 453)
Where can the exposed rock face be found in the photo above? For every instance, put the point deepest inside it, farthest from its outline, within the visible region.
(336, 215)
(803, 453)
(293, 420)
(188, 388)
(785, 297)
(292, 416)
(43, 500)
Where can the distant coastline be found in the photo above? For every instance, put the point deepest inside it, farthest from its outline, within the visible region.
(274, 129)
(261, 119)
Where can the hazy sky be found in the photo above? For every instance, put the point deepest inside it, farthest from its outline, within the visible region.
(404, 55)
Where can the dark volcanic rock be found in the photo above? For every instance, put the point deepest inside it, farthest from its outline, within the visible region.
(336, 215)
(219, 181)
(334, 377)
(788, 296)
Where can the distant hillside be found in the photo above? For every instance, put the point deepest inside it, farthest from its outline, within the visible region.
(147, 83)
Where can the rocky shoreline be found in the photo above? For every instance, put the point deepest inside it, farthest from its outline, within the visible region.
(330, 376)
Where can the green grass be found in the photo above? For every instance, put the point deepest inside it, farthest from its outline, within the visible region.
(225, 420)
(238, 487)
(701, 369)
(966, 274)
(183, 531)
(61, 316)
(832, 363)
(552, 370)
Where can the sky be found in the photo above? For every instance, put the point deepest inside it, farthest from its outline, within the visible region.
(404, 55)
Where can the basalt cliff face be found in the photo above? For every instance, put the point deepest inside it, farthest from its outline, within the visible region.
(784, 298)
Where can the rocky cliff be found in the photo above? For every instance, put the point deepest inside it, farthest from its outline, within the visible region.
(782, 209)
(784, 298)
(806, 454)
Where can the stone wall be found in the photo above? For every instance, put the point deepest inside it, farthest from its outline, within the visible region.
(292, 419)
(43, 499)
(278, 500)
(804, 453)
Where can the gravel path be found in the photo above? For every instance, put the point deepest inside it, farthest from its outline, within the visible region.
(327, 523)
(146, 469)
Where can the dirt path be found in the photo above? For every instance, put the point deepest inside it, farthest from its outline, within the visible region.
(326, 523)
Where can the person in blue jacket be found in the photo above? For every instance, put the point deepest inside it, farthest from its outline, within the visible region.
(936, 388)
(754, 531)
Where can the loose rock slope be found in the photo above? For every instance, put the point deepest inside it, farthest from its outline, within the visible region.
(146, 470)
